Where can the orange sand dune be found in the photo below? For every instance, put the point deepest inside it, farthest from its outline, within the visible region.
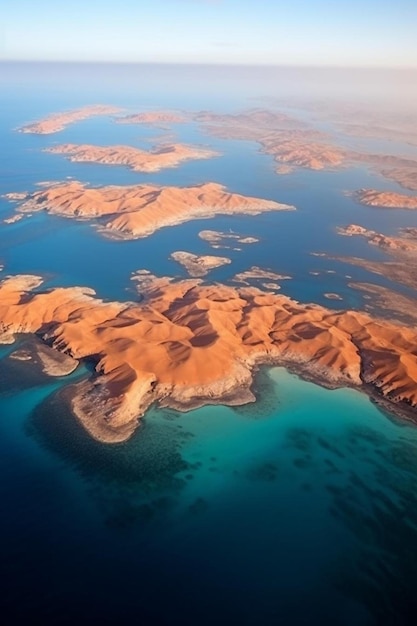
(58, 121)
(187, 344)
(140, 210)
(139, 160)
(386, 199)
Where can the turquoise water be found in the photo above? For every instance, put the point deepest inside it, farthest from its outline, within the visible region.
(297, 509)
(236, 513)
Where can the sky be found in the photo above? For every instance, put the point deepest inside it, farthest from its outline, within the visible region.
(357, 33)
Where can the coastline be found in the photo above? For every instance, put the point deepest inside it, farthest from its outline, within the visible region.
(188, 344)
(240, 393)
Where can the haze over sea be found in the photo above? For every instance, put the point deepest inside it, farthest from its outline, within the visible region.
(300, 508)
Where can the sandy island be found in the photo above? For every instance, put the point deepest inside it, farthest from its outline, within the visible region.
(163, 156)
(58, 121)
(187, 345)
(198, 266)
(256, 274)
(138, 211)
(332, 296)
(385, 199)
(218, 239)
(397, 246)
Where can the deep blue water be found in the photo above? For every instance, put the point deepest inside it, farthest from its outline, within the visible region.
(298, 509)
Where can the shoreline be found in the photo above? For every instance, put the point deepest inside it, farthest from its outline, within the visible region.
(240, 394)
(188, 344)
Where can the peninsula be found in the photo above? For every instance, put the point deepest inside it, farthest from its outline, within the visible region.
(187, 344)
(385, 199)
(406, 177)
(287, 139)
(405, 245)
(138, 211)
(58, 121)
(138, 160)
(402, 248)
(292, 143)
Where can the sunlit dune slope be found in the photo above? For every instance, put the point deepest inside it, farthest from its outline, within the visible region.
(188, 344)
(140, 210)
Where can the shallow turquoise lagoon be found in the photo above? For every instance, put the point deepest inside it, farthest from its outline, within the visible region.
(283, 509)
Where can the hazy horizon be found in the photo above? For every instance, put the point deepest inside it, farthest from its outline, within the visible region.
(366, 33)
(377, 88)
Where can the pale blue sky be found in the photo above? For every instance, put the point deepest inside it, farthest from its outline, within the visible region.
(290, 32)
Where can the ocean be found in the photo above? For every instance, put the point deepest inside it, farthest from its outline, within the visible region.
(300, 508)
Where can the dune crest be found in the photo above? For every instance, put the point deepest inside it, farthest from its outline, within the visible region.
(188, 344)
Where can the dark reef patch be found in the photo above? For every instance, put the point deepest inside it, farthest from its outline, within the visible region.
(129, 482)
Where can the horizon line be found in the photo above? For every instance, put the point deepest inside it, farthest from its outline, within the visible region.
(211, 64)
